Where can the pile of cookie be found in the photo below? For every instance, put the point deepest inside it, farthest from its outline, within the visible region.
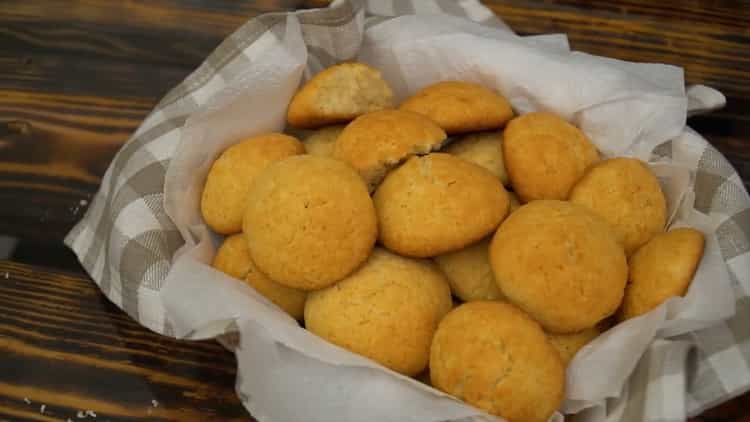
(445, 238)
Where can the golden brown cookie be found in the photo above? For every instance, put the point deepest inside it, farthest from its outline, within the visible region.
(438, 203)
(561, 263)
(495, 357)
(660, 269)
(627, 195)
(469, 272)
(483, 148)
(387, 310)
(309, 221)
(321, 141)
(545, 156)
(460, 107)
(233, 258)
(228, 181)
(567, 345)
(376, 142)
(515, 203)
(339, 94)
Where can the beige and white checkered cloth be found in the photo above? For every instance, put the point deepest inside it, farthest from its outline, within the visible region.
(126, 241)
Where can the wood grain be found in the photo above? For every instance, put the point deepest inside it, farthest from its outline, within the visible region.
(64, 345)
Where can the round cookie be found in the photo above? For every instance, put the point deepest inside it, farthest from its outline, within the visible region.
(567, 345)
(387, 310)
(376, 142)
(545, 156)
(233, 258)
(660, 269)
(438, 203)
(339, 94)
(561, 263)
(627, 194)
(460, 107)
(309, 221)
(469, 273)
(321, 141)
(484, 149)
(230, 176)
(493, 356)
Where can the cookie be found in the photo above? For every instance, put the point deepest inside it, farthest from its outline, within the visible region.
(309, 221)
(484, 149)
(376, 142)
(561, 263)
(469, 273)
(495, 357)
(627, 195)
(233, 258)
(545, 156)
(230, 176)
(460, 107)
(321, 141)
(567, 345)
(339, 94)
(387, 310)
(438, 203)
(660, 269)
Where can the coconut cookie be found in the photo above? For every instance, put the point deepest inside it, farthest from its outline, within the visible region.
(460, 107)
(230, 176)
(627, 195)
(309, 221)
(545, 156)
(376, 142)
(233, 258)
(321, 141)
(660, 269)
(436, 204)
(387, 310)
(495, 357)
(567, 345)
(484, 149)
(339, 94)
(561, 263)
(469, 272)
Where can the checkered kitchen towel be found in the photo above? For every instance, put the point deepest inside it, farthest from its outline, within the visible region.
(126, 241)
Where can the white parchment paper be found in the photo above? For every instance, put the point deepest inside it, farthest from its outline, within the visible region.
(287, 373)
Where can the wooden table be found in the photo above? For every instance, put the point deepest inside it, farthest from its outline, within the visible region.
(77, 77)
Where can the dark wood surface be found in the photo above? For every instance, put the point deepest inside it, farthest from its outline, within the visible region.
(78, 76)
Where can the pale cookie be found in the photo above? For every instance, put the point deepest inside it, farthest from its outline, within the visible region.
(376, 142)
(233, 258)
(321, 141)
(545, 156)
(309, 221)
(339, 94)
(460, 107)
(495, 357)
(567, 345)
(660, 269)
(438, 203)
(469, 272)
(230, 176)
(561, 263)
(484, 149)
(627, 194)
(387, 310)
